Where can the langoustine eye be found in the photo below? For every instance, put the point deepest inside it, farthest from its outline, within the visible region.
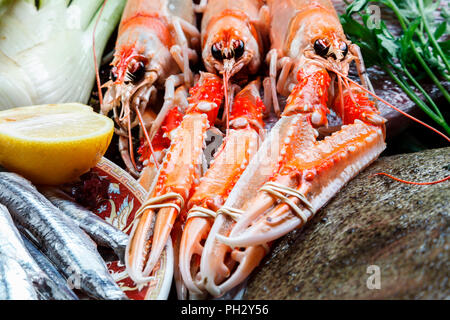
(138, 72)
(113, 74)
(234, 51)
(344, 49)
(321, 47)
(216, 51)
(238, 46)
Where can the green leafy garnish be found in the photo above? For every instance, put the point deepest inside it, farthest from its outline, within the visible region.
(422, 48)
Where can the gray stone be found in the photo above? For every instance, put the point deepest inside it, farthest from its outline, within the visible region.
(403, 229)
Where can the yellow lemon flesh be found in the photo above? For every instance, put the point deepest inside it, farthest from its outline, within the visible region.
(53, 144)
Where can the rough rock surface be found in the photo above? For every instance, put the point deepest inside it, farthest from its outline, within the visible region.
(402, 229)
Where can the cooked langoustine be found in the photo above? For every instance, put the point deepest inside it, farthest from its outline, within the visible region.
(308, 44)
(231, 159)
(154, 46)
(178, 175)
(233, 34)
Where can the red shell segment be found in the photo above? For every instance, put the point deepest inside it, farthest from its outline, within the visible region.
(153, 21)
(161, 139)
(355, 105)
(181, 166)
(227, 35)
(331, 151)
(172, 120)
(248, 107)
(208, 89)
(310, 94)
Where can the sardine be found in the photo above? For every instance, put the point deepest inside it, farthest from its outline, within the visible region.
(103, 233)
(61, 240)
(49, 269)
(12, 246)
(14, 282)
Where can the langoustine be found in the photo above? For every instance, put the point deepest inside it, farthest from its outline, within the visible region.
(302, 173)
(178, 175)
(154, 46)
(231, 159)
(161, 140)
(233, 37)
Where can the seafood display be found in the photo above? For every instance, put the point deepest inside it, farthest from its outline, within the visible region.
(227, 104)
(306, 172)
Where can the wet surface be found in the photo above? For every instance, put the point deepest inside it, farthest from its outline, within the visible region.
(402, 229)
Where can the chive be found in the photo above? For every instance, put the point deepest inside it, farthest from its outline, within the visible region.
(412, 95)
(422, 90)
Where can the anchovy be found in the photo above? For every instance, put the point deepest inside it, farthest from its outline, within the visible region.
(14, 282)
(103, 233)
(61, 240)
(49, 269)
(11, 245)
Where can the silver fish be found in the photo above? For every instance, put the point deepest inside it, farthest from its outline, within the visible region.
(12, 246)
(49, 269)
(14, 282)
(99, 230)
(61, 240)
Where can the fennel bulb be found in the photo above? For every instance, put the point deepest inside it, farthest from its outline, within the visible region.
(46, 53)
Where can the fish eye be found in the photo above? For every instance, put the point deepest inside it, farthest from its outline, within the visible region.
(321, 47)
(238, 47)
(216, 52)
(138, 72)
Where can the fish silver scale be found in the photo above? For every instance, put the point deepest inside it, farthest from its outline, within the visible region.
(99, 230)
(12, 246)
(61, 240)
(14, 282)
(48, 268)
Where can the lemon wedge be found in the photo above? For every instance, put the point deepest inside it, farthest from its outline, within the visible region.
(53, 144)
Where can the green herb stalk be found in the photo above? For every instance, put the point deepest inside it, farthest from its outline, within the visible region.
(404, 58)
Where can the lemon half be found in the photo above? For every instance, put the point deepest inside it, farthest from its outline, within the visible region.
(53, 144)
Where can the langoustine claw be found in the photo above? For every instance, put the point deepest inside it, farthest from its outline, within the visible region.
(230, 161)
(179, 174)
